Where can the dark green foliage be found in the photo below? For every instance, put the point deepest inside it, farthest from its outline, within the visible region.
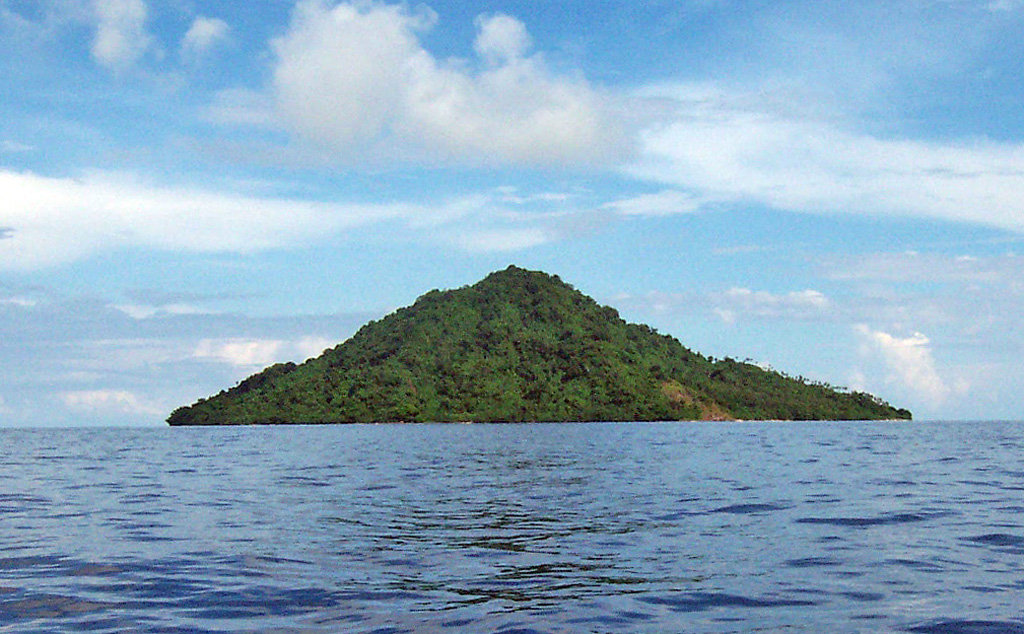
(518, 346)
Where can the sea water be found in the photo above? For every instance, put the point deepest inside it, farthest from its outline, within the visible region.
(622, 527)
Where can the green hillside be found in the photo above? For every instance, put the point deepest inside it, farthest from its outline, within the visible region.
(519, 346)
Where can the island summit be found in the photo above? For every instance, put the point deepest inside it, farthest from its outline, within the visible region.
(520, 346)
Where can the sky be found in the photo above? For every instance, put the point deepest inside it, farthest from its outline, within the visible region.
(190, 191)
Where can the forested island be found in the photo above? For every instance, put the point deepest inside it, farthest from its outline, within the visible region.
(520, 345)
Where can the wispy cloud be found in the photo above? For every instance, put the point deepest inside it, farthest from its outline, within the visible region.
(150, 303)
(912, 266)
(240, 107)
(121, 37)
(111, 401)
(737, 304)
(499, 240)
(52, 221)
(798, 305)
(147, 311)
(58, 220)
(19, 302)
(663, 203)
(1005, 5)
(727, 146)
(14, 147)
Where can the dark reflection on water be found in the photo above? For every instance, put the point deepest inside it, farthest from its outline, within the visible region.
(836, 527)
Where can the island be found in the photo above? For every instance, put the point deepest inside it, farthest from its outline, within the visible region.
(520, 346)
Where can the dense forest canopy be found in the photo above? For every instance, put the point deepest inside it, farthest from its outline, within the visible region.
(520, 346)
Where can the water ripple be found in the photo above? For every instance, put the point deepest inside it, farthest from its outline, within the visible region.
(747, 509)
(617, 528)
(885, 519)
(700, 601)
(957, 626)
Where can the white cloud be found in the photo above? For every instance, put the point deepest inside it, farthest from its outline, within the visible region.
(46, 222)
(1004, 5)
(743, 302)
(121, 36)
(500, 240)
(202, 36)
(259, 353)
(501, 39)
(737, 303)
(355, 76)
(110, 401)
(729, 146)
(908, 266)
(237, 106)
(19, 302)
(147, 311)
(14, 147)
(662, 203)
(58, 220)
(511, 194)
(910, 363)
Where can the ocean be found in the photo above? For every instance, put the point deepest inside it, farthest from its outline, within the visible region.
(515, 529)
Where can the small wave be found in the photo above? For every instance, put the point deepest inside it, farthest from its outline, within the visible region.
(957, 626)
(915, 564)
(701, 601)
(879, 520)
(302, 481)
(746, 509)
(17, 503)
(863, 596)
(617, 618)
(43, 606)
(676, 516)
(812, 562)
(34, 562)
(998, 540)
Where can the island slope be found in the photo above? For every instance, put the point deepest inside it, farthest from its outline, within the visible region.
(519, 346)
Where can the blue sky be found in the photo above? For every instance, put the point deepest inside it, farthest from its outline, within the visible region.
(190, 191)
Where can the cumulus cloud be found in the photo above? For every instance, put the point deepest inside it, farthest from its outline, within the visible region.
(729, 146)
(202, 36)
(356, 76)
(910, 363)
(259, 353)
(121, 36)
(501, 39)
